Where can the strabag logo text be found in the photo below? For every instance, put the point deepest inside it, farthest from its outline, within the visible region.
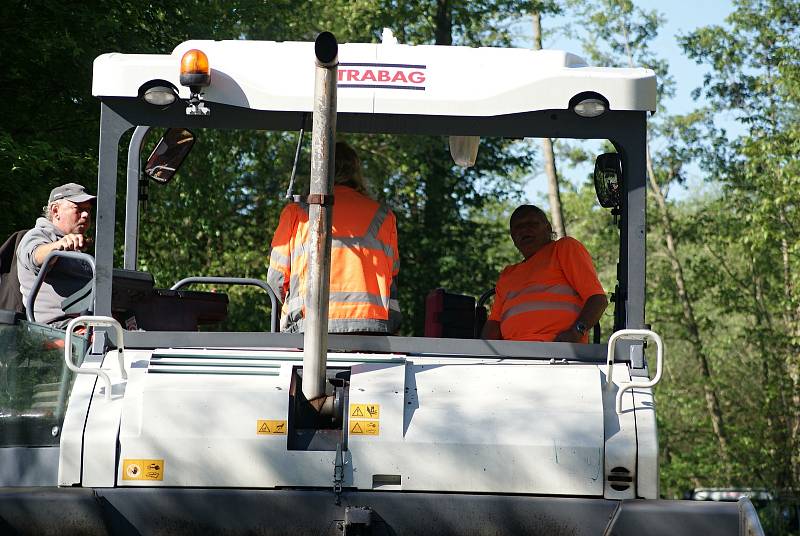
(382, 76)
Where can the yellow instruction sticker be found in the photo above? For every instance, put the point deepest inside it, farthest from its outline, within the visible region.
(365, 411)
(371, 428)
(142, 469)
(270, 427)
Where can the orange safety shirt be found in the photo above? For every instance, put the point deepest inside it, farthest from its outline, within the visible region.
(543, 295)
(364, 265)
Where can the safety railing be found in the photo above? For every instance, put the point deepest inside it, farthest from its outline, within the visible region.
(215, 280)
(46, 266)
(632, 334)
(95, 321)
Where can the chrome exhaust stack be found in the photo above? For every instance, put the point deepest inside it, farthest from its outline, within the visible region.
(320, 218)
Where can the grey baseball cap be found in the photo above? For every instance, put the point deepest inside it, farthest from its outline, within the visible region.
(71, 192)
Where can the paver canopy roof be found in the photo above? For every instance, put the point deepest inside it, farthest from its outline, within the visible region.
(386, 78)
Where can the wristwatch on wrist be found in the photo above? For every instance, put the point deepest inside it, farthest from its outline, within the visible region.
(581, 327)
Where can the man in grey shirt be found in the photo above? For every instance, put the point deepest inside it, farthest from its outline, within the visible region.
(67, 217)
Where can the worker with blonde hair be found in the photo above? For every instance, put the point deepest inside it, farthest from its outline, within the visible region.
(364, 257)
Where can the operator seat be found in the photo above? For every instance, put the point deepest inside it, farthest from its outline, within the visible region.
(137, 304)
(10, 295)
(449, 315)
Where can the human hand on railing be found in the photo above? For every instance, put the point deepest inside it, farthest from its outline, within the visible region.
(73, 242)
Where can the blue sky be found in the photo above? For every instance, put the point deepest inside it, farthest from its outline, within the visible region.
(682, 16)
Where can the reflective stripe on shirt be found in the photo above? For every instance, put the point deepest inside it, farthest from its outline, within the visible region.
(562, 290)
(292, 314)
(360, 297)
(540, 305)
(369, 240)
(277, 258)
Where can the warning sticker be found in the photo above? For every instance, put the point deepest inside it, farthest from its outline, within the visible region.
(371, 428)
(365, 411)
(270, 427)
(142, 469)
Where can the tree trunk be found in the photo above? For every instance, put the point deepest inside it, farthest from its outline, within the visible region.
(773, 387)
(437, 208)
(443, 32)
(791, 317)
(436, 178)
(696, 344)
(553, 195)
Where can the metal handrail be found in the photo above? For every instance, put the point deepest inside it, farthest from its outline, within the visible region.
(45, 269)
(95, 321)
(131, 248)
(749, 523)
(236, 281)
(626, 386)
(485, 297)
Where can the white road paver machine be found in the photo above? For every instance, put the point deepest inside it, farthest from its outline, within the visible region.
(166, 429)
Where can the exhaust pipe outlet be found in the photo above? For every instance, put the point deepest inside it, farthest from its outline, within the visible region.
(320, 217)
(326, 49)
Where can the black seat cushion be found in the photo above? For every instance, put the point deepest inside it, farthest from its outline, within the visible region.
(10, 296)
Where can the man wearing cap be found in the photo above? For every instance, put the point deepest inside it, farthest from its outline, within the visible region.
(67, 217)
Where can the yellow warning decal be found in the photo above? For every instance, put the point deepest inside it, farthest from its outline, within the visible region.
(365, 411)
(371, 428)
(142, 469)
(270, 427)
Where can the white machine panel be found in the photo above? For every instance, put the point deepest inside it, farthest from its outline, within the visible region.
(516, 428)
(70, 453)
(620, 436)
(203, 428)
(448, 425)
(199, 413)
(647, 443)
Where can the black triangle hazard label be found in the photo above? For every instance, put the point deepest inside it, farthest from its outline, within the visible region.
(356, 429)
(357, 412)
(264, 428)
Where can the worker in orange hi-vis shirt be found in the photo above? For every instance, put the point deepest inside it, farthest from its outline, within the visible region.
(364, 258)
(552, 295)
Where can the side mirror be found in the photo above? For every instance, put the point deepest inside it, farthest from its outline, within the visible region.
(608, 179)
(170, 152)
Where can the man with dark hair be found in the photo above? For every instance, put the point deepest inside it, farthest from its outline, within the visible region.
(66, 219)
(553, 294)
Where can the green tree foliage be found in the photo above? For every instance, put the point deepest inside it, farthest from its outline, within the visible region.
(49, 135)
(735, 246)
(754, 75)
(619, 33)
(216, 217)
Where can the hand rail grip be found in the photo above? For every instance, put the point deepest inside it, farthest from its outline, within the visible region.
(633, 334)
(43, 271)
(237, 281)
(95, 321)
(485, 297)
